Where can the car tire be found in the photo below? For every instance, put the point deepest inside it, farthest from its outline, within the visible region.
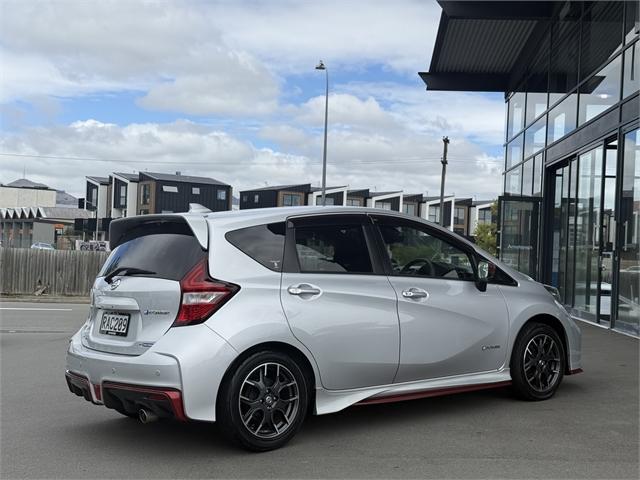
(263, 402)
(538, 362)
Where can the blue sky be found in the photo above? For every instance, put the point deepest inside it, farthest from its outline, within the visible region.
(228, 89)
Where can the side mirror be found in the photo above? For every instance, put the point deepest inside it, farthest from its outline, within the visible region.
(482, 276)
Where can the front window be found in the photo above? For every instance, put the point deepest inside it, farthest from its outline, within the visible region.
(413, 251)
(222, 195)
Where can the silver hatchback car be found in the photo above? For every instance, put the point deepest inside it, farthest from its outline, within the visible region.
(256, 318)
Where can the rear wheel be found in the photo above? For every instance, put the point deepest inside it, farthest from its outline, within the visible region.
(538, 362)
(263, 403)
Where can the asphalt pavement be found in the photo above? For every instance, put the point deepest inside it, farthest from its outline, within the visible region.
(588, 430)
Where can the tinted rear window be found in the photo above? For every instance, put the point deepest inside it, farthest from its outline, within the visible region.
(263, 243)
(168, 250)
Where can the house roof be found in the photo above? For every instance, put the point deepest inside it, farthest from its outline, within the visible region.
(63, 199)
(431, 199)
(51, 213)
(26, 183)
(302, 187)
(169, 177)
(319, 189)
(359, 192)
(100, 180)
(380, 194)
(413, 197)
(475, 203)
(132, 177)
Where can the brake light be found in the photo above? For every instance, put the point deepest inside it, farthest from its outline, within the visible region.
(201, 295)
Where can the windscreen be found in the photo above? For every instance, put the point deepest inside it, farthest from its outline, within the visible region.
(168, 250)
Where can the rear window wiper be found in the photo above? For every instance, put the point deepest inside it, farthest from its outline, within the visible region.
(127, 271)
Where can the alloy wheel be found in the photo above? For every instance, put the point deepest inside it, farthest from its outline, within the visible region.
(542, 362)
(269, 400)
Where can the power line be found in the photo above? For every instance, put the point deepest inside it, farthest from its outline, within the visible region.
(395, 160)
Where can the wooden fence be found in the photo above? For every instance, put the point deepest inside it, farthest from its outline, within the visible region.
(64, 272)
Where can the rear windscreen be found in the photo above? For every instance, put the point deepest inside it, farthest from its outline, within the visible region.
(169, 251)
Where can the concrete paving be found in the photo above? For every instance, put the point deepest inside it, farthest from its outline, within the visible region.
(588, 430)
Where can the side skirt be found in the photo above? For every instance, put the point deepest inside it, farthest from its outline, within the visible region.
(330, 401)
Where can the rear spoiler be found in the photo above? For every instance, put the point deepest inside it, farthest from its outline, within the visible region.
(197, 224)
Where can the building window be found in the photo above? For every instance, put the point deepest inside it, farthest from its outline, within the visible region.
(144, 211)
(515, 114)
(383, 205)
(484, 216)
(291, 200)
(534, 137)
(353, 202)
(222, 195)
(563, 76)
(170, 188)
(562, 118)
(245, 198)
(434, 213)
(195, 190)
(631, 70)
(537, 175)
(600, 92)
(458, 216)
(328, 200)
(632, 22)
(409, 208)
(146, 194)
(601, 36)
(514, 152)
(123, 195)
(167, 211)
(512, 182)
(256, 198)
(527, 177)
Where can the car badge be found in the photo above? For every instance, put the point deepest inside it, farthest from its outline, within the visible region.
(115, 284)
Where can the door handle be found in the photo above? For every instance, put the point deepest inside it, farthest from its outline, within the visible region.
(304, 289)
(415, 293)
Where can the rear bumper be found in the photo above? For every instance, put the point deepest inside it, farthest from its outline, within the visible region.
(164, 402)
(180, 374)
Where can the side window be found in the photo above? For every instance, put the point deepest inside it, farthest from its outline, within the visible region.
(415, 252)
(263, 243)
(332, 249)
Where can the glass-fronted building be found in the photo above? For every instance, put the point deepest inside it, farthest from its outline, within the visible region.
(570, 211)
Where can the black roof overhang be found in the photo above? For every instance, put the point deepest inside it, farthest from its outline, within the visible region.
(479, 43)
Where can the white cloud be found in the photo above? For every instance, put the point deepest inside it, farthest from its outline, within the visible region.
(362, 160)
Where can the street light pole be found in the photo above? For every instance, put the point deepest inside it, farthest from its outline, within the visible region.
(445, 141)
(321, 66)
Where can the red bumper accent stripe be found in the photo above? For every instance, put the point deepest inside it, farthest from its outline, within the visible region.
(172, 395)
(575, 371)
(437, 392)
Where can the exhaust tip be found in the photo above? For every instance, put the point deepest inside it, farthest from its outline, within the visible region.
(146, 416)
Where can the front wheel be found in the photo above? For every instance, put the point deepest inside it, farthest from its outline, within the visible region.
(263, 403)
(538, 362)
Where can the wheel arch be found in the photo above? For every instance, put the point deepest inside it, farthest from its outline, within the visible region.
(556, 325)
(295, 353)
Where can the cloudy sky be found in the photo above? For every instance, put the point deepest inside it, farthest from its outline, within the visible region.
(228, 89)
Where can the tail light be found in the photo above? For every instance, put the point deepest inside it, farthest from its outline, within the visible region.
(201, 295)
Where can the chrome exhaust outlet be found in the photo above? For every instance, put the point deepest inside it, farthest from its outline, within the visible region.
(146, 416)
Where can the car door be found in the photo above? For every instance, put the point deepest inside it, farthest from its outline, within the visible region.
(338, 301)
(447, 325)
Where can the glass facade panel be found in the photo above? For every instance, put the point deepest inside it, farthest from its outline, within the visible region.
(538, 81)
(562, 118)
(527, 177)
(537, 175)
(631, 23)
(601, 35)
(534, 137)
(587, 221)
(512, 182)
(563, 74)
(600, 92)
(516, 114)
(629, 281)
(514, 151)
(631, 81)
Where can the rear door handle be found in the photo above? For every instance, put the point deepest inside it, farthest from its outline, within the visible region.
(304, 289)
(414, 292)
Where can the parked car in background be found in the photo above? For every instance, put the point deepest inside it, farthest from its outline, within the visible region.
(255, 318)
(43, 246)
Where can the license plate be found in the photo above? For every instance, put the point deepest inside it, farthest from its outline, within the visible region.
(114, 323)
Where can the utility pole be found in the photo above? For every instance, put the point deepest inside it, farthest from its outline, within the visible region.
(445, 141)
